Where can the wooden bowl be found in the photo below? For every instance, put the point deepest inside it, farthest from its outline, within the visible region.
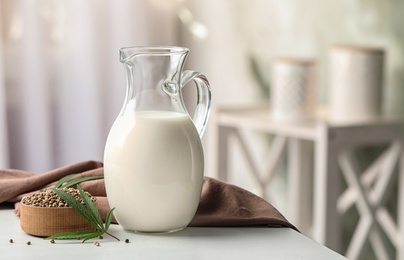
(43, 222)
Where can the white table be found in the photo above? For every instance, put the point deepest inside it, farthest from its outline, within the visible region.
(334, 143)
(190, 243)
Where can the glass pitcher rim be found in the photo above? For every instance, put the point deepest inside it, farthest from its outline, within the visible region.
(149, 50)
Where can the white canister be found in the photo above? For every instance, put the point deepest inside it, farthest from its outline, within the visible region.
(356, 79)
(292, 90)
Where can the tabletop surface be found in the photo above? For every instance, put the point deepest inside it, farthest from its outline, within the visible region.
(262, 112)
(190, 243)
(258, 117)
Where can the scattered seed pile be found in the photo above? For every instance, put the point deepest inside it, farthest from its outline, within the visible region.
(47, 198)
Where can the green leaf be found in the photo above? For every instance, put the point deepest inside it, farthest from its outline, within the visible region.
(78, 207)
(90, 236)
(80, 180)
(92, 209)
(89, 212)
(108, 219)
(73, 235)
(63, 180)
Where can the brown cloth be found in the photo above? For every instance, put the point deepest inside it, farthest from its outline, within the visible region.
(221, 204)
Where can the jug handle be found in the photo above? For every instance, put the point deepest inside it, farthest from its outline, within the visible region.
(203, 101)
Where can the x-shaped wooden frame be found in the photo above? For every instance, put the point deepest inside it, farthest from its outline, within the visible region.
(369, 191)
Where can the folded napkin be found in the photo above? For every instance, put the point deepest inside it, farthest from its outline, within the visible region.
(221, 204)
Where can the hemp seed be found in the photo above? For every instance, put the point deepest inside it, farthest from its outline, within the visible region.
(11, 241)
(126, 240)
(29, 243)
(49, 199)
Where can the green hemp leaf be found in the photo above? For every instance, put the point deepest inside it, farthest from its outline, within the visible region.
(61, 183)
(88, 211)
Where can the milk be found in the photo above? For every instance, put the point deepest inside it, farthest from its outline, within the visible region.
(153, 166)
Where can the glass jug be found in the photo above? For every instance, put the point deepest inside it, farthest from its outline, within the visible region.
(153, 158)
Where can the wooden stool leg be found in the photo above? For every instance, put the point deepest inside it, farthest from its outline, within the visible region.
(400, 211)
(300, 184)
(326, 227)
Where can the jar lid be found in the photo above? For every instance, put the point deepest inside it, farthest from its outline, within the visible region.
(358, 48)
(296, 60)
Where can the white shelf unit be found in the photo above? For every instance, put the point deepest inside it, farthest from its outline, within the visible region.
(316, 197)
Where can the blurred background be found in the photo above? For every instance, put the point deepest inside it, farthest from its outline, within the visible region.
(62, 85)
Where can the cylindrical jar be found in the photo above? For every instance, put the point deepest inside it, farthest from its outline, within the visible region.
(292, 90)
(356, 79)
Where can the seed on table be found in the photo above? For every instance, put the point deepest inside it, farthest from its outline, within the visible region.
(29, 243)
(126, 240)
(11, 241)
(96, 243)
(52, 241)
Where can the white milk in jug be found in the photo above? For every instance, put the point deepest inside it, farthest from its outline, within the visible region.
(153, 166)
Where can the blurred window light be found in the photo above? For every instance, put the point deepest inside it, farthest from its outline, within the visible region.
(185, 15)
(16, 26)
(53, 12)
(196, 28)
